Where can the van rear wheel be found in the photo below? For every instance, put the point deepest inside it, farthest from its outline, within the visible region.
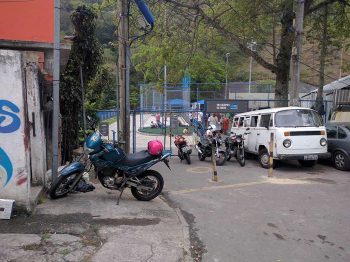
(264, 158)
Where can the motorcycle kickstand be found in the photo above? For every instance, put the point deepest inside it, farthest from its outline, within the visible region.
(120, 195)
(121, 192)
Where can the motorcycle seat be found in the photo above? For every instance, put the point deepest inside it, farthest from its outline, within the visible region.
(137, 158)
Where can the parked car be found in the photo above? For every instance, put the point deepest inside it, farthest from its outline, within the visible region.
(338, 134)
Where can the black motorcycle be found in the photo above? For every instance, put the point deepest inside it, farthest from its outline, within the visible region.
(183, 150)
(235, 147)
(205, 147)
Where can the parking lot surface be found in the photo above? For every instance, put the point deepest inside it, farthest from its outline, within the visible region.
(301, 214)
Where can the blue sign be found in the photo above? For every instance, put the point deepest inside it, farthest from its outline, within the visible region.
(9, 110)
(233, 106)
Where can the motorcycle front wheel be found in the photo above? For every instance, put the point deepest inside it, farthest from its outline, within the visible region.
(188, 159)
(240, 157)
(179, 154)
(63, 185)
(220, 159)
(151, 179)
(228, 156)
(201, 157)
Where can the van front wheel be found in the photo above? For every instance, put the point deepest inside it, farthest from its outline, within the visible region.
(264, 158)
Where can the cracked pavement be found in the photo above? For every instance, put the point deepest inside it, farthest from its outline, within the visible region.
(91, 227)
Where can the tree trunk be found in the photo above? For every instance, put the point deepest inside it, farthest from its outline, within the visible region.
(281, 88)
(323, 54)
(284, 55)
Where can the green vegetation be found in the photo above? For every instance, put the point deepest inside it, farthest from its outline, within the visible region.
(85, 54)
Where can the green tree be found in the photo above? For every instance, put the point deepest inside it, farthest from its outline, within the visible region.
(240, 21)
(85, 53)
(328, 28)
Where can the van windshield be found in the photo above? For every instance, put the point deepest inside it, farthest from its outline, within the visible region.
(297, 118)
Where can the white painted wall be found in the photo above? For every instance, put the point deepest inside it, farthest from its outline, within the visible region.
(37, 142)
(14, 143)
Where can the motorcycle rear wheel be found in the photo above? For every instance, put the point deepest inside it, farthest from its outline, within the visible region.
(147, 178)
(63, 185)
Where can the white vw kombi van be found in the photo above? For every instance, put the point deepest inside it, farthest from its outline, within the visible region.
(298, 134)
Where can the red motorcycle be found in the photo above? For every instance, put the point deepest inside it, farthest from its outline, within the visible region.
(183, 150)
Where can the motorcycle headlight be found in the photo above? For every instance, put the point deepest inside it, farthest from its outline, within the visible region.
(87, 150)
(239, 140)
(323, 142)
(287, 143)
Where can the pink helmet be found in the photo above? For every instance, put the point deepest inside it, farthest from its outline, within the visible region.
(155, 147)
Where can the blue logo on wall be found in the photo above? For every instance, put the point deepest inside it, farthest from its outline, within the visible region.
(233, 106)
(5, 162)
(16, 121)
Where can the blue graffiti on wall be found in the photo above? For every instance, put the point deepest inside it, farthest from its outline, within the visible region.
(5, 162)
(16, 121)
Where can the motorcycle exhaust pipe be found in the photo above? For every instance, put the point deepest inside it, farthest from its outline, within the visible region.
(198, 149)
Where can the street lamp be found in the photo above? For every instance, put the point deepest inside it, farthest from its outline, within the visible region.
(252, 47)
(227, 55)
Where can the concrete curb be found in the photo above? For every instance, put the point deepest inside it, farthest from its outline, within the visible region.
(186, 235)
(185, 231)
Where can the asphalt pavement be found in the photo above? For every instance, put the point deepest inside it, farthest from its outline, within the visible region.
(301, 214)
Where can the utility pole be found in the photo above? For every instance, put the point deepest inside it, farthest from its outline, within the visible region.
(299, 26)
(227, 55)
(252, 47)
(56, 90)
(123, 72)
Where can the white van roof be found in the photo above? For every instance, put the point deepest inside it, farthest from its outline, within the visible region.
(270, 110)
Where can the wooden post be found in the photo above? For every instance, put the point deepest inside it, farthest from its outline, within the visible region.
(215, 173)
(270, 174)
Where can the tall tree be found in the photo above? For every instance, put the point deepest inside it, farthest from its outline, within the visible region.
(240, 21)
(85, 52)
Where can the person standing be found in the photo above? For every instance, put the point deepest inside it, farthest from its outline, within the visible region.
(213, 120)
(225, 124)
(158, 120)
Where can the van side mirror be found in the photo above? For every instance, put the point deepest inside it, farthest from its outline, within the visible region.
(248, 129)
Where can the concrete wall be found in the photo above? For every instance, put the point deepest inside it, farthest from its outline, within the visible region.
(37, 131)
(22, 132)
(14, 140)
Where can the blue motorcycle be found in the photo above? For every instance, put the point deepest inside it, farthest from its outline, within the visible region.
(114, 169)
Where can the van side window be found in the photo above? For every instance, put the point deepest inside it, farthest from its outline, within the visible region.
(247, 121)
(241, 119)
(254, 121)
(271, 122)
(235, 121)
(265, 120)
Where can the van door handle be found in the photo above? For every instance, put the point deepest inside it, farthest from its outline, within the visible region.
(258, 134)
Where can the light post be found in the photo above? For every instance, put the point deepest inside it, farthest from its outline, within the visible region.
(227, 55)
(252, 47)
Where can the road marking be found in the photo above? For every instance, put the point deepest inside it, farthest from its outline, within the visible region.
(199, 170)
(276, 181)
(192, 190)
